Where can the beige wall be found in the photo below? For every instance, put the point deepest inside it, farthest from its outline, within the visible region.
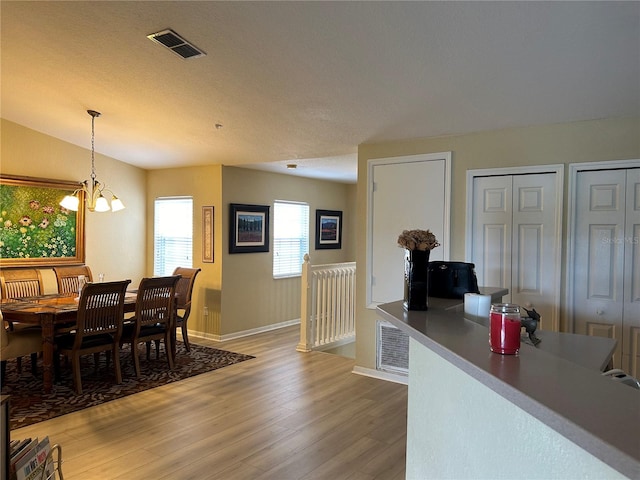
(612, 139)
(204, 184)
(115, 242)
(251, 298)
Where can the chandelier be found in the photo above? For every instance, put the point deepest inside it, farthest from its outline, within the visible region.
(96, 202)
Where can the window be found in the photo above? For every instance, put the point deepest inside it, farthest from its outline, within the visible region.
(290, 238)
(172, 234)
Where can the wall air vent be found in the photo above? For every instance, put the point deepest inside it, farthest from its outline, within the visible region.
(176, 44)
(392, 349)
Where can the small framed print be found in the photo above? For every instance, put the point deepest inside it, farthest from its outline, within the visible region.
(328, 229)
(249, 228)
(207, 234)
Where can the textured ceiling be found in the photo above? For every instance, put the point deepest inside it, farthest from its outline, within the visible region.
(307, 82)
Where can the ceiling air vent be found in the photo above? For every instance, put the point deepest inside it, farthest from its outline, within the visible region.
(176, 44)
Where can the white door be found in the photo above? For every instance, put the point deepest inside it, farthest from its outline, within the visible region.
(631, 302)
(515, 239)
(607, 256)
(405, 193)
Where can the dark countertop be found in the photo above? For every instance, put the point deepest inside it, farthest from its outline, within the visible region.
(558, 383)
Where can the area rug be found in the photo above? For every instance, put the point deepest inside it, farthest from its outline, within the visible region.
(30, 405)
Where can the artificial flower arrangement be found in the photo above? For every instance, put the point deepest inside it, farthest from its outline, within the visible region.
(418, 240)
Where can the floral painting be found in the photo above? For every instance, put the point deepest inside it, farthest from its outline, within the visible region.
(34, 228)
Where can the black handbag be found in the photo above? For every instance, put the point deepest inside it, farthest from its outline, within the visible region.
(451, 279)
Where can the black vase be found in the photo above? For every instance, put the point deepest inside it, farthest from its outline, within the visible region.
(416, 266)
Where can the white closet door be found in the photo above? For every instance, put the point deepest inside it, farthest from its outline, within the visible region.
(631, 307)
(514, 239)
(533, 247)
(599, 255)
(492, 225)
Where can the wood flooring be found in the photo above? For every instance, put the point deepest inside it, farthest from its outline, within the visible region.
(284, 415)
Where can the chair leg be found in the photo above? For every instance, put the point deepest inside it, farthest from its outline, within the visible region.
(136, 360)
(149, 350)
(157, 349)
(167, 347)
(77, 380)
(116, 362)
(19, 364)
(3, 371)
(185, 337)
(34, 364)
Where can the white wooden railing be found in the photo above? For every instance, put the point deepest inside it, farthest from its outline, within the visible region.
(328, 305)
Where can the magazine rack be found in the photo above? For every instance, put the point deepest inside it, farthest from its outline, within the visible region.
(53, 457)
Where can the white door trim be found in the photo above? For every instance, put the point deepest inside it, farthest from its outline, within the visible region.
(574, 168)
(558, 170)
(371, 164)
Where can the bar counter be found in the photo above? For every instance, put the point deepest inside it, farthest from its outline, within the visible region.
(545, 413)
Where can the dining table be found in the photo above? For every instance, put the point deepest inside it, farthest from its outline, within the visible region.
(49, 311)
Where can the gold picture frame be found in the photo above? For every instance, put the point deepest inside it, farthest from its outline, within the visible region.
(207, 234)
(34, 229)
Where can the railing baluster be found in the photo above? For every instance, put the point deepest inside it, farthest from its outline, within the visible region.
(328, 304)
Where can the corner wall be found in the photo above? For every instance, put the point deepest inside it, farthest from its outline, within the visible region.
(204, 184)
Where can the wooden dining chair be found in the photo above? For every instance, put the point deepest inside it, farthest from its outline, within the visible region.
(67, 277)
(20, 282)
(154, 319)
(16, 344)
(184, 290)
(98, 327)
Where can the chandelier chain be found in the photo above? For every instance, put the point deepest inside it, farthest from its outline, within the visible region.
(93, 161)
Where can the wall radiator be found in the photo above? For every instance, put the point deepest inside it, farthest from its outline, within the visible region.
(328, 305)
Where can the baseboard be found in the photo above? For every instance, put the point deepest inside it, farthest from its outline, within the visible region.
(244, 333)
(390, 377)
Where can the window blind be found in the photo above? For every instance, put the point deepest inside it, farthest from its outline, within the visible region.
(172, 234)
(290, 237)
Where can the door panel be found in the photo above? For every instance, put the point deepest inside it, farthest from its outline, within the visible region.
(534, 221)
(492, 223)
(599, 260)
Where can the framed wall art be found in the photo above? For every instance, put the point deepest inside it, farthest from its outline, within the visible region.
(207, 234)
(328, 229)
(34, 229)
(249, 228)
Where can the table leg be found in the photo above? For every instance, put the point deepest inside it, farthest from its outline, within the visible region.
(47, 352)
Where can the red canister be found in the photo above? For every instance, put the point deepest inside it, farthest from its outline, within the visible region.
(504, 328)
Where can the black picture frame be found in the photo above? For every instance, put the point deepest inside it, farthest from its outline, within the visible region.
(248, 228)
(328, 229)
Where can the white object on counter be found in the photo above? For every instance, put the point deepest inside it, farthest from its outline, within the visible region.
(477, 306)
